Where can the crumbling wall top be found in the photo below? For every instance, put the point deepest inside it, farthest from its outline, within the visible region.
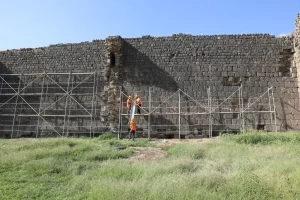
(114, 44)
(296, 33)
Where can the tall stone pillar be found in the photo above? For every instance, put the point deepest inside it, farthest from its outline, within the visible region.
(296, 41)
(114, 46)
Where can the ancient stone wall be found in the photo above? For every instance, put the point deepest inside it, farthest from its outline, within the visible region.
(82, 57)
(221, 62)
(190, 63)
(296, 36)
(65, 58)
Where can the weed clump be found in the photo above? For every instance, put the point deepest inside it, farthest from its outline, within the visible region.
(264, 138)
(107, 136)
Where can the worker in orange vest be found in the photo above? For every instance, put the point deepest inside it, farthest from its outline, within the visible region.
(129, 104)
(132, 129)
(138, 104)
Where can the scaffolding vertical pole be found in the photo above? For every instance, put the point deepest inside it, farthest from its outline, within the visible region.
(274, 111)
(240, 117)
(18, 132)
(120, 113)
(210, 111)
(17, 97)
(96, 102)
(270, 107)
(70, 101)
(242, 106)
(66, 105)
(1, 86)
(179, 118)
(91, 128)
(149, 115)
(38, 123)
(46, 96)
(210, 115)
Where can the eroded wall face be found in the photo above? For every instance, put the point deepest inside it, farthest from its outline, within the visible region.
(191, 63)
(82, 57)
(65, 58)
(194, 63)
(296, 36)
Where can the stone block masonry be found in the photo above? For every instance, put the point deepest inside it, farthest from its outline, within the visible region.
(222, 62)
(166, 64)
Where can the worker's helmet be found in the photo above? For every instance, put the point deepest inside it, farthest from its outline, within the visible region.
(136, 96)
(132, 119)
(129, 97)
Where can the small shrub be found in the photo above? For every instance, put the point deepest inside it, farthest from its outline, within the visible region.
(263, 138)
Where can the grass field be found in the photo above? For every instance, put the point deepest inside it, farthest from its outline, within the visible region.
(249, 166)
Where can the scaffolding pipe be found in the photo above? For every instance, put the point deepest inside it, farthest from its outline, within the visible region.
(270, 107)
(15, 94)
(164, 102)
(226, 99)
(210, 111)
(65, 106)
(91, 128)
(18, 132)
(240, 102)
(17, 97)
(41, 97)
(149, 113)
(35, 74)
(32, 107)
(242, 109)
(120, 116)
(67, 93)
(66, 103)
(95, 101)
(1, 86)
(179, 118)
(274, 111)
(70, 101)
(193, 99)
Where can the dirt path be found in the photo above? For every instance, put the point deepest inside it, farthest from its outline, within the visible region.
(156, 153)
(148, 153)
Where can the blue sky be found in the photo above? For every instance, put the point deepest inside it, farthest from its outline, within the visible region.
(35, 23)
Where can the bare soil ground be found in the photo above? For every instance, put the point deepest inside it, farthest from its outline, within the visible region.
(147, 153)
(156, 153)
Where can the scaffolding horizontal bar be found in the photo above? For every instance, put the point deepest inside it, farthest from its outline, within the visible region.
(35, 115)
(35, 74)
(44, 94)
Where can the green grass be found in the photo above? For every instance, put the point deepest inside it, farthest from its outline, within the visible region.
(246, 166)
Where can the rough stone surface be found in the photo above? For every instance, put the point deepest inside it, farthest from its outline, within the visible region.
(190, 63)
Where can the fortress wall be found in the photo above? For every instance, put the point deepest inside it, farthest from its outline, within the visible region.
(296, 35)
(190, 63)
(61, 58)
(221, 62)
(81, 57)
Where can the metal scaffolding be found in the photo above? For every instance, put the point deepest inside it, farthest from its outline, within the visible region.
(200, 117)
(41, 104)
(65, 104)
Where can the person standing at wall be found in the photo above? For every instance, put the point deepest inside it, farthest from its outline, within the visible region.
(138, 103)
(129, 104)
(132, 129)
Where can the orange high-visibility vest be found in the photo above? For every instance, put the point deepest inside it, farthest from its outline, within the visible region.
(133, 126)
(139, 101)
